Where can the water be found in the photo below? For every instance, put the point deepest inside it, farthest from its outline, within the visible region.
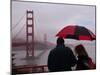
(41, 56)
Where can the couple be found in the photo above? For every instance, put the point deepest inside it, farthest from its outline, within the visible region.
(62, 58)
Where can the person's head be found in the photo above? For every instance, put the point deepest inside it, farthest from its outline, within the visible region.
(60, 41)
(80, 50)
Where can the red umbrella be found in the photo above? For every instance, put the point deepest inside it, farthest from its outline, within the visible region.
(76, 32)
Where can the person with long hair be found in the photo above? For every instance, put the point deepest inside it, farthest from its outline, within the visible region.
(84, 62)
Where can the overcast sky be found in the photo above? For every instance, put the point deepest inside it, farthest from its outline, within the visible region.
(51, 18)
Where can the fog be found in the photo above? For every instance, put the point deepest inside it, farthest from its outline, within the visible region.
(51, 18)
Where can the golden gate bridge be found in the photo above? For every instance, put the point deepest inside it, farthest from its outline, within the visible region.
(29, 33)
(28, 43)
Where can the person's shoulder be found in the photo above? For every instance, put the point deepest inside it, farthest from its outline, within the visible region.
(52, 50)
(68, 48)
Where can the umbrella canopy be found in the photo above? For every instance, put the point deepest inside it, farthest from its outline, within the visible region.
(76, 32)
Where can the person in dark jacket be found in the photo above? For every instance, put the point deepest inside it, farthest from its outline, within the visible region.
(84, 62)
(61, 58)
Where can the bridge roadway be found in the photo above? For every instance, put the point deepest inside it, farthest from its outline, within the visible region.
(14, 44)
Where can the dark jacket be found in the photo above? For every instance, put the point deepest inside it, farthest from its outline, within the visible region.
(82, 63)
(61, 58)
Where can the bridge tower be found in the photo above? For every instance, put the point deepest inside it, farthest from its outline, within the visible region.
(29, 34)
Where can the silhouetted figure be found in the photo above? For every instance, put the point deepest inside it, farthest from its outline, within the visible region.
(61, 58)
(84, 61)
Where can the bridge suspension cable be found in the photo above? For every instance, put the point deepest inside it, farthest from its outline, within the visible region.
(19, 31)
(18, 22)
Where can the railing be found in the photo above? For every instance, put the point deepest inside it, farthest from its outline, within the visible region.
(29, 69)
